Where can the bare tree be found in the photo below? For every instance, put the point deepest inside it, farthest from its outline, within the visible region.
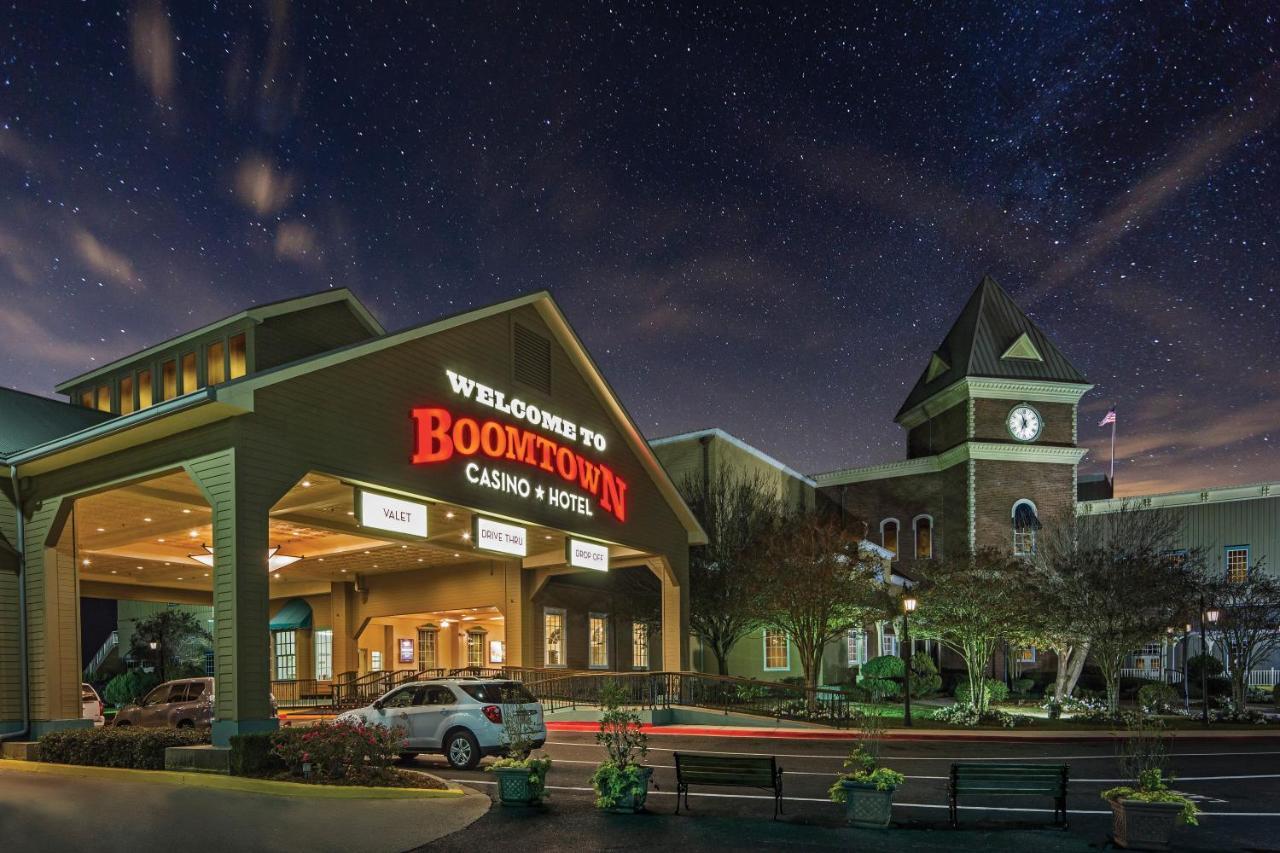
(735, 511)
(1249, 627)
(973, 602)
(1112, 582)
(817, 583)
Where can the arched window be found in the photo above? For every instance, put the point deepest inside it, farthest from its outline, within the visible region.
(889, 535)
(1026, 521)
(923, 525)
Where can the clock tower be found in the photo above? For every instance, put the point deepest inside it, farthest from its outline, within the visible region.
(991, 440)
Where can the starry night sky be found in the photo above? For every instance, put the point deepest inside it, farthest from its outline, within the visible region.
(759, 219)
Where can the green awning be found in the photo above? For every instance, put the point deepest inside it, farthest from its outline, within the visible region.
(295, 614)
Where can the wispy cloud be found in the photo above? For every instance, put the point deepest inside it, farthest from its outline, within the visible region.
(104, 260)
(152, 48)
(297, 241)
(261, 186)
(24, 337)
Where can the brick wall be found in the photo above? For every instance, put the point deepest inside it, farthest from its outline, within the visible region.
(903, 498)
(1000, 484)
(990, 417)
(939, 433)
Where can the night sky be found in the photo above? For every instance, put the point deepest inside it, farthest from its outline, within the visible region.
(761, 219)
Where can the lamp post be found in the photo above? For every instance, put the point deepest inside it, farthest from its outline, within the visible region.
(908, 607)
(1206, 615)
(1186, 679)
(159, 649)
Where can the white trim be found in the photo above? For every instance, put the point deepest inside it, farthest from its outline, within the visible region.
(716, 432)
(1212, 495)
(915, 537)
(981, 450)
(564, 637)
(1014, 509)
(604, 618)
(1013, 531)
(764, 650)
(897, 536)
(993, 389)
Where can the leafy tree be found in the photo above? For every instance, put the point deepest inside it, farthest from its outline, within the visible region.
(1117, 583)
(129, 687)
(1248, 625)
(179, 636)
(971, 603)
(816, 583)
(735, 511)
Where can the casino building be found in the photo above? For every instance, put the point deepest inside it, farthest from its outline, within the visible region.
(340, 501)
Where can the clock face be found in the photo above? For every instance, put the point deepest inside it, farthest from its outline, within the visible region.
(1024, 423)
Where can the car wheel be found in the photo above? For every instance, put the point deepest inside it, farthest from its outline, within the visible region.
(462, 750)
(408, 756)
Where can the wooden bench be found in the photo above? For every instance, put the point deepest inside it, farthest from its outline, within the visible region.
(1010, 780)
(739, 771)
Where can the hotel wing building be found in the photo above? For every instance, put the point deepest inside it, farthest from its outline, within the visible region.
(340, 501)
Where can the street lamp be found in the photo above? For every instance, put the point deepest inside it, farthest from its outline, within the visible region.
(908, 607)
(1209, 614)
(156, 647)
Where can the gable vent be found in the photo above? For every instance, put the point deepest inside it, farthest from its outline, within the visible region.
(531, 358)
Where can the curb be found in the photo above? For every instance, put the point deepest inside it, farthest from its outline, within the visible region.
(994, 736)
(238, 783)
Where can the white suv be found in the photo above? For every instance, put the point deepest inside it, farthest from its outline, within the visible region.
(459, 717)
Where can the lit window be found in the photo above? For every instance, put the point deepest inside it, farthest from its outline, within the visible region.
(1027, 654)
(427, 648)
(104, 398)
(324, 655)
(168, 380)
(375, 661)
(476, 648)
(1238, 563)
(239, 356)
(599, 634)
(126, 394)
(924, 537)
(889, 644)
(1025, 524)
(215, 364)
(639, 645)
(86, 398)
(777, 650)
(889, 535)
(553, 637)
(286, 655)
(144, 389)
(857, 643)
(190, 376)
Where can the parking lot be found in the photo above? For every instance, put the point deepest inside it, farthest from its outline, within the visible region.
(1236, 782)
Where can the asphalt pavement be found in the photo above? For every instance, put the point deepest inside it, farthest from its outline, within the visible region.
(1236, 783)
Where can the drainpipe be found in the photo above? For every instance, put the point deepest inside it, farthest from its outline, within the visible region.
(22, 614)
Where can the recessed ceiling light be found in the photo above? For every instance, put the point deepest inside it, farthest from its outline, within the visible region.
(86, 561)
(179, 578)
(159, 540)
(350, 512)
(167, 564)
(206, 574)
(467, 537)
(375, 565)
(419, 559)
(456, 554)
(147, 519)
(322, 559)
(449, 514)
(548, 536)
(344, 571)
(366, 552)
(402, 547)
(113, 571)
(102, 530)
(306, 484)
(194, 533)
(139, 568)
(186, 512)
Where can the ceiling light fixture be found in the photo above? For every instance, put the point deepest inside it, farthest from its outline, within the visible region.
(275, 560)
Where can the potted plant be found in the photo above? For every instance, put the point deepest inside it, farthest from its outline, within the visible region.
(867, 788)
(522, 777)
(1145, 815)
(621, 782)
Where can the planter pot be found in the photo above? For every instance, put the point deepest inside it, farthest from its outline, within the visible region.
(514, 788)
(1143, 826)
(865, 807)
(632, 802)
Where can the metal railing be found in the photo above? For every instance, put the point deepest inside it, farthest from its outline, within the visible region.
(111, 644)
(1256, 678)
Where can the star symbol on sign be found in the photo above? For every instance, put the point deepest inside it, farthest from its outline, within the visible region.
(539, 491)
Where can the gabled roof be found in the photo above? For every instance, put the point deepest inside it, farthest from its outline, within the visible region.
(27, 420)
(992, 338)
(256, 314)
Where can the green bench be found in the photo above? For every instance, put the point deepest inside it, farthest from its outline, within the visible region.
(1009, 780)
(739, 771)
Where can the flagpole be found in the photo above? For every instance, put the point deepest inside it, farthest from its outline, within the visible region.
(1113, 447)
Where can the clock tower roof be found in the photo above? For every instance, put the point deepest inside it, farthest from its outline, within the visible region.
(994, 339)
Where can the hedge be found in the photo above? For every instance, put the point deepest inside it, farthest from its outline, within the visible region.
(997, 691)
(111, 746)
(885, 666)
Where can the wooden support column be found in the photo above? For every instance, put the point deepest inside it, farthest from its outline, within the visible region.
(517, 610)
(675, 618)
(346, 652)
(53, 619)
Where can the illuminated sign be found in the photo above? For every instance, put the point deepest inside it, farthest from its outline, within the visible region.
(406, 651)
(500, 537)
(587, 555)
(497, 651)
(395, 515)
(522, 411)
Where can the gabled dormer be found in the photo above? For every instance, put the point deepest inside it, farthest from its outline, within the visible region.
(249, 342)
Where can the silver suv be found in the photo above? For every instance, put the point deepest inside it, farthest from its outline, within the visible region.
(459, 717)
(180, 704)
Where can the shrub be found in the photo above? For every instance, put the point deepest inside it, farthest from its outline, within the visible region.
(254, 754)
(967, 717)
(129, 687)
(1197, 664)
(1157, 698)
(996, 692)
(108, 746)
(885, 666)
(1275, 695)
(925, 680)
(350, 751)
(881, 688)
(1022, 687)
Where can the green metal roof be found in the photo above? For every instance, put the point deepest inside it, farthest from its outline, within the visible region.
(977, 345)
(295, 614)
(27, 420)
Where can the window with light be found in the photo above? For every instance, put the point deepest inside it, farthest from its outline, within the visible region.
(599, 637)
(427, 656)
(777, 650)
(553, 637)
(476, 648)
(324, 654)
(639, 645)
(924, 538)
(1238, 564)
(1025, 524)
(286, 655)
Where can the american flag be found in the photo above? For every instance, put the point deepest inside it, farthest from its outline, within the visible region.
(1110, 417)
